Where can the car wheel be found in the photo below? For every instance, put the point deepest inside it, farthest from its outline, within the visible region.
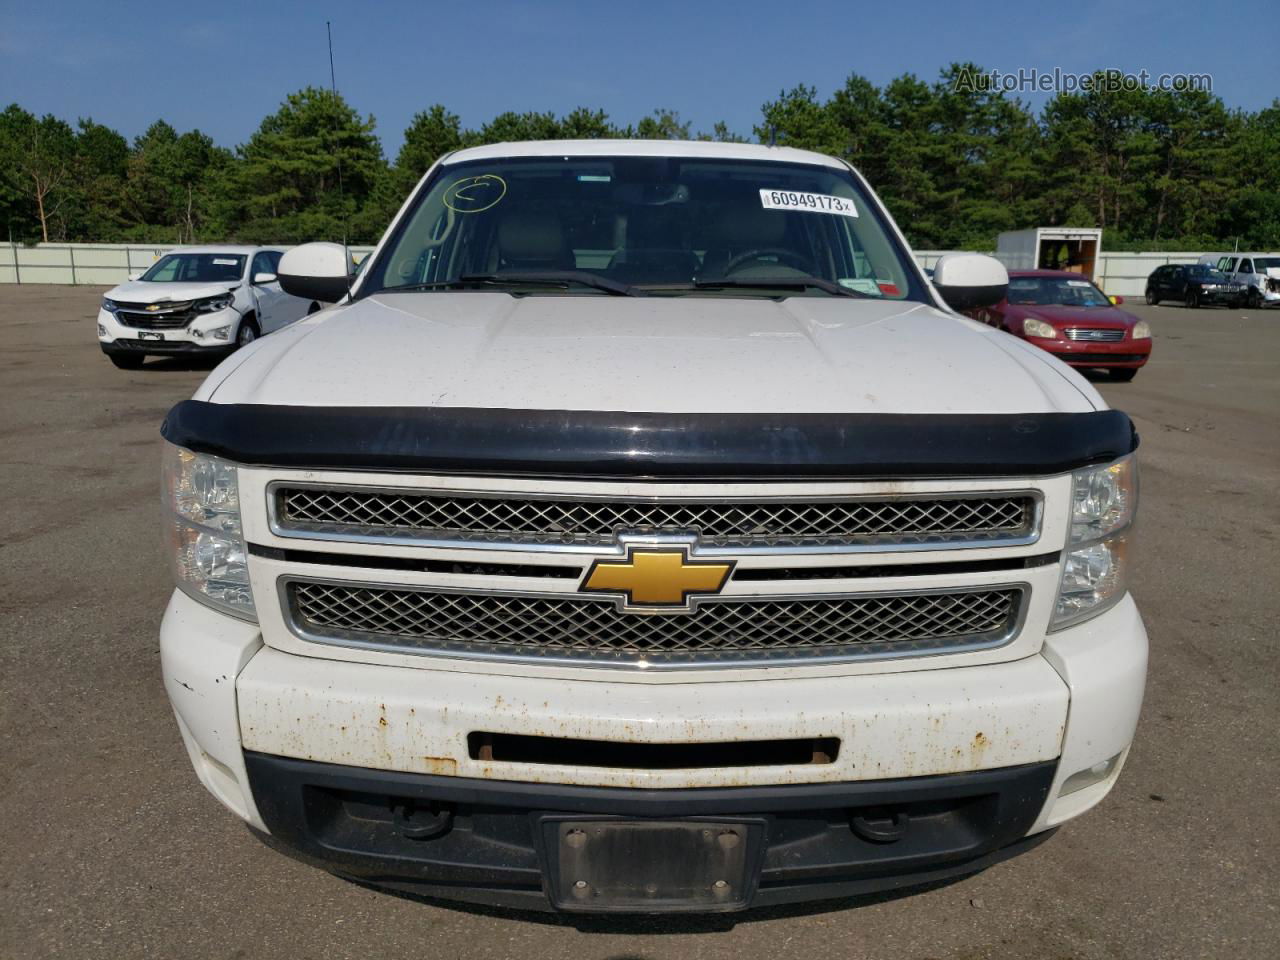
(247, 333)
(127, 361)
(1152, 299)
(1254, 300)
(1124, 374)
(1193, 299)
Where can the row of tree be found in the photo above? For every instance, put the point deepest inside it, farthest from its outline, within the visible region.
(956, 165)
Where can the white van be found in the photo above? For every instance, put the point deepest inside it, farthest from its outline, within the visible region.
(1259, 272)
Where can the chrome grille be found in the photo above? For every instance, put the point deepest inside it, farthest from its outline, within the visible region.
(170, 316)
(717, 631)
(724, 523)
(1094, 335)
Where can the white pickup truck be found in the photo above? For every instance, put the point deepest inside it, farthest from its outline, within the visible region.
(644, 532)
(197, 300)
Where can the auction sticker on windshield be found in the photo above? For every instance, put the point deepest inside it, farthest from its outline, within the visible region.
(809, 202)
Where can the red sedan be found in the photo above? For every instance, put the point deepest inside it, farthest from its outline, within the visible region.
(1068, 316)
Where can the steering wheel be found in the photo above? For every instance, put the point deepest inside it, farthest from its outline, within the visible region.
(787, 256)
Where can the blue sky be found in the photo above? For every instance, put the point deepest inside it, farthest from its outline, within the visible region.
(222, 66)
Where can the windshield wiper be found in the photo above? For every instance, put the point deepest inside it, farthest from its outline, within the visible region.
(557, 278)
(782, 283)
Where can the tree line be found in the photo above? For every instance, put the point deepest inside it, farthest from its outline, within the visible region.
(955, 165)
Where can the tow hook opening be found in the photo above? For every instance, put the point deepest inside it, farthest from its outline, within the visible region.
(417, 821)
(880, 824)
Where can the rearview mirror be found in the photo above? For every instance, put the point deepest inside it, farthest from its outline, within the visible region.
(263, 277)
(969, 280)
(316, 271)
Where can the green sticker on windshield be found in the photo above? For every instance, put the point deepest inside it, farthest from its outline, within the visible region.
(861, 285)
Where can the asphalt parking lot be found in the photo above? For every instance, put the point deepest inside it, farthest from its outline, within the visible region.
(109, 846)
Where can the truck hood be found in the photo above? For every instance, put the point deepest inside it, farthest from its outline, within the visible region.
(692, 354)
(139, 291)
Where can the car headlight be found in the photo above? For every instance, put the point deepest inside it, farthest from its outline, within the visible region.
(202, 527)
(110, 305)
(1141, 330)
(1038, 328)
(213, 304)
(1104, 501)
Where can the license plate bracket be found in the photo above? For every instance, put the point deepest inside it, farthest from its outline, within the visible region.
(651, 866)
(150, 335)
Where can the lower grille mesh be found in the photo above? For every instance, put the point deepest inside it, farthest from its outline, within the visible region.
(716, 631)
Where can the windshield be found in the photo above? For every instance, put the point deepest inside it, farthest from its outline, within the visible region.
(1056, 291)
(650, 225)
(1263, 264)
(1201, 272)
(195, 268)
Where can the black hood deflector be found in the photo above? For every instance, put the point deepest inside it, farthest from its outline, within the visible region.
(712, 446)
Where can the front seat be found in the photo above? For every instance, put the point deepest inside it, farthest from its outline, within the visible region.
(533, 240)
(738, 229)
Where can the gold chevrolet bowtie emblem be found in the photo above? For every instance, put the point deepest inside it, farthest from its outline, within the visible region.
(657, 577)
(152, 307)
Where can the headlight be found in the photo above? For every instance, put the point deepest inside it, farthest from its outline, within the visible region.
(213, 304)
(1103, 503)
(110, 305)
(1141, 330)
(202, 526)
(1038, 328)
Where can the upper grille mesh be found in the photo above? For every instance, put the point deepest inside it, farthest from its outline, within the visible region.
(717, 630)
(513, 519)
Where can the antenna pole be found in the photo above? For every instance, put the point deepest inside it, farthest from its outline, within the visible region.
(342, 199)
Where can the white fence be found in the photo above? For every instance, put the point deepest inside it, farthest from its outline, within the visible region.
(106, 264)
(93, 264)
(1125, 274)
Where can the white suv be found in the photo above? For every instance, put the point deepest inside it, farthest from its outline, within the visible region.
(647, 533)
(197, 300)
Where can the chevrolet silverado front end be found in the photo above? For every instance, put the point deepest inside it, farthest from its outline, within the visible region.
(644, 534)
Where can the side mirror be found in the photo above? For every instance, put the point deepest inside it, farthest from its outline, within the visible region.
(263, 277)
(135, 275)
(1117, 300)
(315, 271)
(969, 280)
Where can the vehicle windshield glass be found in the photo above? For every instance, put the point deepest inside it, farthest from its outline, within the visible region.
(674, 226)
(1201, 272)
(1056, 291)
(1263, 264)
(195, 268)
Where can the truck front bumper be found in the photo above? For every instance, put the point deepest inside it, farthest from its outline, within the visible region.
(336, 760)
(507, 844)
